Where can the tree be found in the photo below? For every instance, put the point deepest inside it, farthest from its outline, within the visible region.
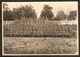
(16, 13)
(72, 15)
(46, 12)
(5, 6)
(61, 15)
(24, 11)
(7, 13)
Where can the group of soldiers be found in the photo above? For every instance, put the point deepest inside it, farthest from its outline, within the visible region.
(39, 28)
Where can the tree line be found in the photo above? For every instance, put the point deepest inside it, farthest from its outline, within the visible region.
(27, 11)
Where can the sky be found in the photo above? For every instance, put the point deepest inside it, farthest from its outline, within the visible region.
(38, 6)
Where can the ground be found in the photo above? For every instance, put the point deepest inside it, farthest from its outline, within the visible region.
(22, 45)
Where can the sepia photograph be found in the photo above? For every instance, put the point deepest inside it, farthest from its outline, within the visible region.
(40, 28)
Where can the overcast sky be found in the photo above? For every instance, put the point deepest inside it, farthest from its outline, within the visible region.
(38, 6)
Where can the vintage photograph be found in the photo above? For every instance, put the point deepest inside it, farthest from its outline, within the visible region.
(40, 28)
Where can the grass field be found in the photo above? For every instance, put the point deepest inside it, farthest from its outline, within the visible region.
(18, 45)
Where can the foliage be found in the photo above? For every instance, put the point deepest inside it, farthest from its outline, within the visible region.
(61, 15)
(27, 11)
(7, 13)
(72, 15)
(5, 6)
(46, 12)
(24, 11)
